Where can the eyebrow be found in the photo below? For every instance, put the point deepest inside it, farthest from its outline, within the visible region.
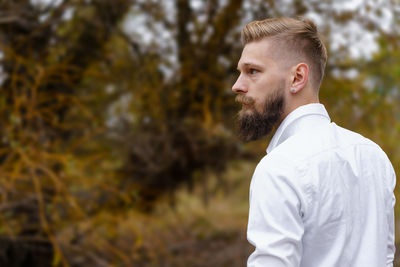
(247, 64)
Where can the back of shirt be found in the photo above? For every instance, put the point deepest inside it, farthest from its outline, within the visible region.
(323, 197)
(350, 184)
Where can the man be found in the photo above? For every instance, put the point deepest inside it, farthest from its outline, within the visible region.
(323, 195)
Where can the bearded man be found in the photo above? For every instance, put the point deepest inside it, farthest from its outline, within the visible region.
(323, 195)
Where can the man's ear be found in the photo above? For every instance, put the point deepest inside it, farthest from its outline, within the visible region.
(300, 77)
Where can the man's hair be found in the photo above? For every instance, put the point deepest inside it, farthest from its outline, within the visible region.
(299, 35)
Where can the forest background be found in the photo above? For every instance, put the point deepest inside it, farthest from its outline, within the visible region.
(118, 142)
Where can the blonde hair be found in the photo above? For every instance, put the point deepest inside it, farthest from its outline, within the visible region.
(298, 35)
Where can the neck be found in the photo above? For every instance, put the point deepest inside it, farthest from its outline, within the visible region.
(297, 100)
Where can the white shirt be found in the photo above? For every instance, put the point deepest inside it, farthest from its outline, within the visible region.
(322, 197)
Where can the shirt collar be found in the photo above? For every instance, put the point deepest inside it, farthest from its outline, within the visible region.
(305, 117)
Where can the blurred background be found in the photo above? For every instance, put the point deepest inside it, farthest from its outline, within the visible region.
(118, 144)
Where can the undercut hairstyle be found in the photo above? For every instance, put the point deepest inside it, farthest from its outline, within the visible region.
(298, 35)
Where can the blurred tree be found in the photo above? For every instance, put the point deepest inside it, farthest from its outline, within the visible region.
(44, 57)
(179, 127)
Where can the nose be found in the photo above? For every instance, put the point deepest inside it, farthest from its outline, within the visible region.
(239, 87)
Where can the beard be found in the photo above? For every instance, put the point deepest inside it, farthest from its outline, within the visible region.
(252, 126)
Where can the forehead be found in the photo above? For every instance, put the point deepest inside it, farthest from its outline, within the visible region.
(258, 53)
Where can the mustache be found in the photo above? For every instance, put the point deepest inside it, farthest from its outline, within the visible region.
(242, 99)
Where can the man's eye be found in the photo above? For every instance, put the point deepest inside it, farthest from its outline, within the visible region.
(253, 71)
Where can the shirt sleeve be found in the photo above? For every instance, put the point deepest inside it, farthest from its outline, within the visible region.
(275, 226)
(390, 217)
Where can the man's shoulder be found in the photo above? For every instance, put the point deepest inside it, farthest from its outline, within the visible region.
(320, 142)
